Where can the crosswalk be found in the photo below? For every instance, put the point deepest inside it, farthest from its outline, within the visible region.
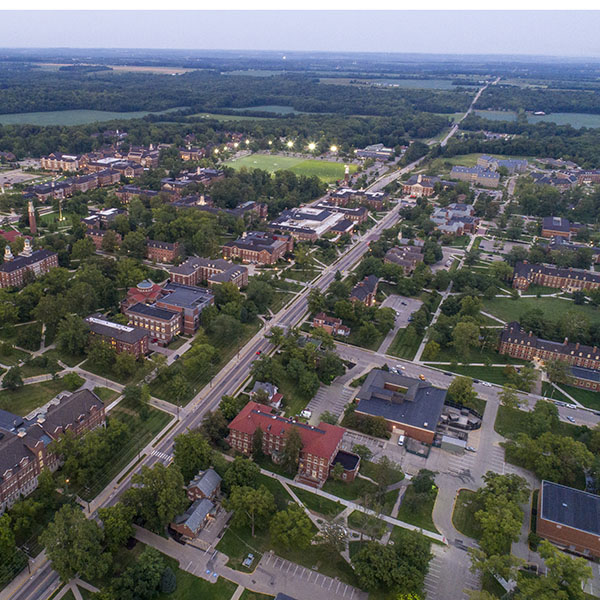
(164, 457)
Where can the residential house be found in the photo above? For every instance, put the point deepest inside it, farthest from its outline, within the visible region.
(365, 291)
(207, 484)
(407, 257)
(274, 398)
(195, 518)
(331, 325)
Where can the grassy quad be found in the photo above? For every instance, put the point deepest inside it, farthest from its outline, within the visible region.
(29, 397)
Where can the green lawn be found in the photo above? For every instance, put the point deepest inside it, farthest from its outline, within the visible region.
(550, 391)
(369, 469)
(10, 356)
(110, 374)
(318, 504)
(404, 346)
(491, 374)
(142, 431)
(29, 397)
(69, 596)
(354, 339)
(250, 595)
(31, 370)
(282, 498)
(586, 397)
(421, 517)
(512, 421)
(190, 587)
(368, 524)
(294, 401)
(463, 517)
(508, 309)
(106, 394)
(224, 117)
(177, 343)
(280, 299)
(475, 355)
(68, 359)
(324, 170)
(354, 490)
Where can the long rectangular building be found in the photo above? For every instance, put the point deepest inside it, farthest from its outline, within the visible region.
(567, 279)
(214, 271)
(122, 338)
(258, 247)
(15, 270)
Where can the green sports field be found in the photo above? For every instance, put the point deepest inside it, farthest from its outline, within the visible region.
(326, 171)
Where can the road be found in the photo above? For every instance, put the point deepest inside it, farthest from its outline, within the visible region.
(43, 581)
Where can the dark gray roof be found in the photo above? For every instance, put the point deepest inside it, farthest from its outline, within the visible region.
(159, 244)
(570, 507)
(186, 296)
(10, 422)
(196, 514)
(122, 333)
(71, 408)
(588, 374)
(527, 270)
(556, 224)
(25, 261)
(417, 403)
(150, 310)
(365, 287)
(206, 481)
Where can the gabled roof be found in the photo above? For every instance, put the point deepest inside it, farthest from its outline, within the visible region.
(196, 514)
(206, 481)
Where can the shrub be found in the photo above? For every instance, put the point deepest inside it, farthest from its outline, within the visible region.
(168, 581)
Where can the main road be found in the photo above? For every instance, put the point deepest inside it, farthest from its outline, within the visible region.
(41, 584)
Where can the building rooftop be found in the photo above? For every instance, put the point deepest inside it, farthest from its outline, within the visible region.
(20, 262)
(122, 333)
(206, 481)
(186, 296)
(196, 514)
(570, 507)
(149, 310)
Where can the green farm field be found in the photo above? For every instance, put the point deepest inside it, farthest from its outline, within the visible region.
(326, 171)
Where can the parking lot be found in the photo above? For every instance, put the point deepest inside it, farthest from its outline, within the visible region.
(9, 178)
(403, 306)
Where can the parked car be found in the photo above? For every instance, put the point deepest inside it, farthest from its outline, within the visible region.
(470, 449)
(571, 418)
(422, 377)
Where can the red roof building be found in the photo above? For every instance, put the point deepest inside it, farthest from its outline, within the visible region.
(320, 445)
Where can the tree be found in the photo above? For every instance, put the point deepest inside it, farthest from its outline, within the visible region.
(117, 523)
(291, 528)
(192, 453)
(50, 310)
(334, 536)
(141, 580)
(72, 381)
(461, 391)
(125, 365)
(134, 244)
(12, 379)
(328, 417)
(11, 560)
(363, 451)
(102, 355)
(430, 351)
(291, 451)
(214, 426)
(316, 301)
(565, 577)
(83, 249)
(72, 335)
(556, 370)
(368, 333)
(257, 444)
(497, 565)
(230, 406)
(508, 397)
(74, 545)
(338, 471)
(168, 581)
(544, 417)
(242, 472)
(464, 337)
(157, 495)
(527, 377)
(251, 506)
(110, 242)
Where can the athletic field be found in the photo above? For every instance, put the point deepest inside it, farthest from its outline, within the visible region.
(326, 171)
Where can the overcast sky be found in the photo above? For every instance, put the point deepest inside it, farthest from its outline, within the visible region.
(556, 33)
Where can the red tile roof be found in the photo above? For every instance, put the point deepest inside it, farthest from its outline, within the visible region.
(321, 441)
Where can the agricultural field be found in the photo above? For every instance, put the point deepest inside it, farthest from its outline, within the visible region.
(224, 117)
(326, 171)
(73, 117)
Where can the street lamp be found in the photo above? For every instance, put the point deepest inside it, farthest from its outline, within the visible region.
(312, 146)
(270, 143)
(290, 144)
(247, 142)
(216, 151)
(333, 148)
(235, 144)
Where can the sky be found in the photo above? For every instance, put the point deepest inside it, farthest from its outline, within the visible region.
(550, 33)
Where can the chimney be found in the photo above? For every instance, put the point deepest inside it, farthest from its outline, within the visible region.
(595, 349)
(8, 255)
(577, 346)
(566, 341)
(530, 334)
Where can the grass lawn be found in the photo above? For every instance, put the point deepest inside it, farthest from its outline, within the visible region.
(540, 289)
(280, 299)
(512, 421)
(369, 525)
(550, 391)
(476, 355)
(69, 596)
(110, 374)
(225, 117)
(190, 587)
(294, 401)
(318, 504)
(324, 170)
(404, 346)
(282, 498)
(491, 374)
(369, 469)
(421, 517)
(105, 394)
(142, 431)
(86, 594)
(177, 343)
(31, 370)
(10, 356)
(250, 595)
(354, 340)
(353, 490)
(508, 309)
(300, 274)
(68, 359)
(29, 397)
(586, 397)
(463, 517)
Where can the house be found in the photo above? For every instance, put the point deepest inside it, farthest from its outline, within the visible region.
(207, 484)
(187, 300)
(195, 518)
(512, 165)
(274, 398)
(14, 271)
(24, 444)
(161, 324)
(320, 444)
(376, 151)
(331, 325)
(122, 338)
(214, 271)
(162, 252)
(568, 279)
(518, 343)
(306, 223)
(559, 227)
(476, 175)
(258, 247)
(407, 257)
(569, 518)
(365, 291)
(410, 407)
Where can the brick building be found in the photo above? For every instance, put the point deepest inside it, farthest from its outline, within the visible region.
(60, 162)
(258, 247)
(127, 192)
(407, 257)
(331, 325)
(357, 214)
(410, 407)
(24, 443)
(350, 197)
(196, 270)
(569, 518)
(122, 338)
(162, 252)
(420, 186)
(195, 518)
(320, 445)
(207, 484)
(97, 236)
(187, 300)
(365, 291)
(476, 175)
(518, 343)
(161, 324)
(558, 226)
(568, 279)
(34, 263)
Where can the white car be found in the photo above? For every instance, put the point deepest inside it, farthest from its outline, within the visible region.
(486, 383)
(571, 418)
(400, 367)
